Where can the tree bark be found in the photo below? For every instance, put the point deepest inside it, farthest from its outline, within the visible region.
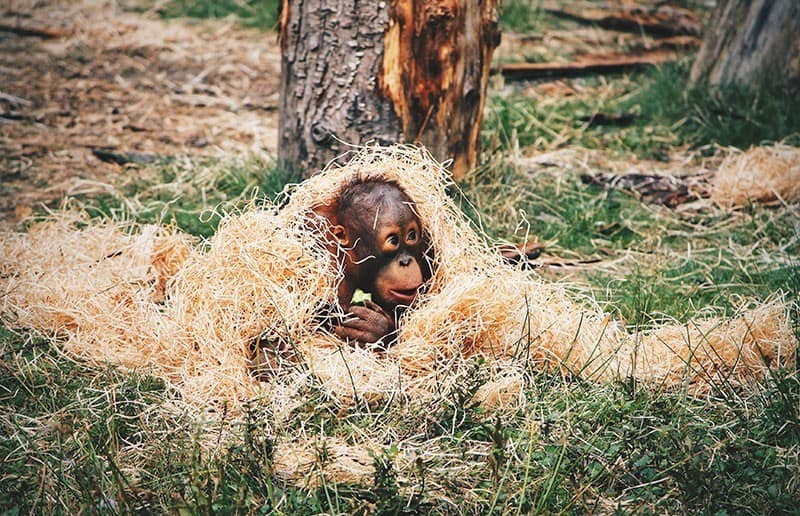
(399, 71)
(751, 42)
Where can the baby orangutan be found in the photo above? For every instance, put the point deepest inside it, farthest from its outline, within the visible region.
(379, 244)
(385, 249)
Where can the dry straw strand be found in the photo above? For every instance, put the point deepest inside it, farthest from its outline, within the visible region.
(760, 174)
(149, 296)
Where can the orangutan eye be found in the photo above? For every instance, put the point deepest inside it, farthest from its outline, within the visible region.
(412, 236)
(393, 240)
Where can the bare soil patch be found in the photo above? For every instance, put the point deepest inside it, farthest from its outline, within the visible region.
(127, 82)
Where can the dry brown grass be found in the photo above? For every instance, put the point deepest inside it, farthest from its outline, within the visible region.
(760, 174)
(127, 82)
(97, 289)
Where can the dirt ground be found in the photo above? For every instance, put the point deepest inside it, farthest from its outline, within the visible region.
(81, 75)
(105, 78)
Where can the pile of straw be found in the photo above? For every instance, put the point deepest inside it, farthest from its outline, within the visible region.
(760, 174)
(148, 297)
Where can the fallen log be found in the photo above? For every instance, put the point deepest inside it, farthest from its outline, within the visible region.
(32, 31)
(664, 20)
(123, 158)
(588, 66)
(609, 119)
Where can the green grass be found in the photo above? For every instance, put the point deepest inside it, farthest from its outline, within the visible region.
(95, 439)
(545, 123)
(668, 114)
(661, 265)
(77, 438)
(700, 115)
(516, 15)
(570, 216)
(81, 438)
(194, 195)
(521, 16)
(262, 14)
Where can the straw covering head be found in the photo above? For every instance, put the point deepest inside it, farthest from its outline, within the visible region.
(384, 244)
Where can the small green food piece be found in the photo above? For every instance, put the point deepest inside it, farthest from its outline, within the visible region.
(360, 297)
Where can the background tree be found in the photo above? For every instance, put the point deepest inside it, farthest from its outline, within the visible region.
(751, 41)
(399, 71)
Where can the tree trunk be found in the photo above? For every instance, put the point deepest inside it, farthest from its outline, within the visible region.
(751, 41)
(399, 71)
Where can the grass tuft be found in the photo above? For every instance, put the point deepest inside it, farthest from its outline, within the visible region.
(664, 111)
(80, 438)
(261, 14)
(192, 194)
(523, 16)
(734, 116)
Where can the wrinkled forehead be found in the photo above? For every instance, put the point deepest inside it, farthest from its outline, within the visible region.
(380, 206)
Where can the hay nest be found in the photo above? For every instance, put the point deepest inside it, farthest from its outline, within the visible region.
(760, 174)
(150, 297)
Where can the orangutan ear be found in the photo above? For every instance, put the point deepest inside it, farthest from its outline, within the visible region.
(340, 234)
